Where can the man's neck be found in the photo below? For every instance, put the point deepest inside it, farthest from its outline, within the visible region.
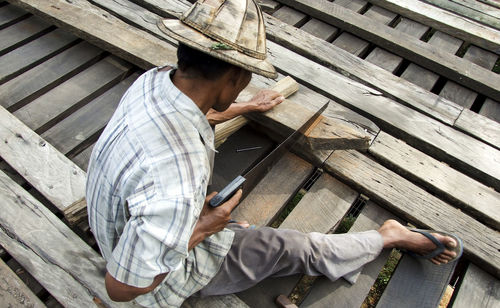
(202, 92)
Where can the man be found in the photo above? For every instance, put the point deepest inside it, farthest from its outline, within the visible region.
(148, 175)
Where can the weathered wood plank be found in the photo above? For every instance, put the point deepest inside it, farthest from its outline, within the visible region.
(388, 60)
(26, 57)
(454, 25)
(491, 109)
(320, 29)
(290, 16)
(411, 202)
(320, 210)
(480, 7)
(10, 14)
(88, 120)
(354, 67)
(54, 105)
(69, 269)
(430, 57)
(478, 289)
(423, 77)
(20, 33)
(44, 167)
(340, 293)
(227, 301)
(463, 96)
(82, 159)
(480, 125)
(268, 6)
(458, 149)
(13, 292)
(26, 278)
(31, 84)
(98, 27)
(267, 199)
(467, 12)
(440, 179)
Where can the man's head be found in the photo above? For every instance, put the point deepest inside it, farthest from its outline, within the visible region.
(230, 30)
(227, 80)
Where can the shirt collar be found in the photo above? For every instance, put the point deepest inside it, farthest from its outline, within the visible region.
(184, 105)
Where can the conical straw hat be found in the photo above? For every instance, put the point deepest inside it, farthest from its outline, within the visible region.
(230, 30)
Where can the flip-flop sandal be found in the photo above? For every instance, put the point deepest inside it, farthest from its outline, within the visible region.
(440, 248)
(418, 282)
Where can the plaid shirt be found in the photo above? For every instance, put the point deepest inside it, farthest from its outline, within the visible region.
(146, 185)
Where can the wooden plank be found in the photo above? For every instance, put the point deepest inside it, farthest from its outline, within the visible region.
(322, 207)
(82, 159)
(320, 210)
(290, 16)
(423, 77)
(20, 33)
(268, 6)
(430, 57)
(72, 94)
(69, 269)
(473, 197)
(353, 5)
(479, 125)
(273, 192)
(45, 168)
(467, 12)
(41, 78)
(463, 96)
(28, 56)
(226, 301)
(491, 109)
(340, 293)
(478, 289)
(10, 14)
(13, 292)
(411, 202)
(26, 277)
(100, 28)
(441, 141)
(320, 29)
(480, 7)
(88, 120)
(493, 3)
(347, 64)
(388, 60)
(444, 21)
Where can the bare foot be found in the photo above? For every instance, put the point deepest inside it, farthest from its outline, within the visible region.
(396, 235)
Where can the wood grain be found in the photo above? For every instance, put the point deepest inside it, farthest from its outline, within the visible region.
(44, 167)
(9, 15)
(491, 109)
(69, 269)
(478, 289)
(480, 125)
(18, 91)
(13, 292)
(26, 57)
(440, 179)
(411, 202)
(457, 26)
(20, 33)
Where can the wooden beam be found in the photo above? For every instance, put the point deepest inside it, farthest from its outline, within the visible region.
(415, 204)
(66, 267)
(467, 12)
(457, 26)
(432, 58)
(101, 28)
(13, 292)
(56, 177)
(473, 197)
(478, 289)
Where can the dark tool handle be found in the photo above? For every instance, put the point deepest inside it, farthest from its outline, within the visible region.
(227, 192)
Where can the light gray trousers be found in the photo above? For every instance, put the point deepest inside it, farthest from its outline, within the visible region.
(257, 254)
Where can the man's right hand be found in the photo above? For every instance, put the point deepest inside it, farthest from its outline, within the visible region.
(214, 219)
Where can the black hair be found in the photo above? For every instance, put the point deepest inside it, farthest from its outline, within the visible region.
(199, 63)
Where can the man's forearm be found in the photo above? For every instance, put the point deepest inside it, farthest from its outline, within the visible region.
(215, 117)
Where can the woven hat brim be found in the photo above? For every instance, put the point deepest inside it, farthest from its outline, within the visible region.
(195, 39)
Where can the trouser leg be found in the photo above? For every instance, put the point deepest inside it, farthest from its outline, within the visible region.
(266, 252)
